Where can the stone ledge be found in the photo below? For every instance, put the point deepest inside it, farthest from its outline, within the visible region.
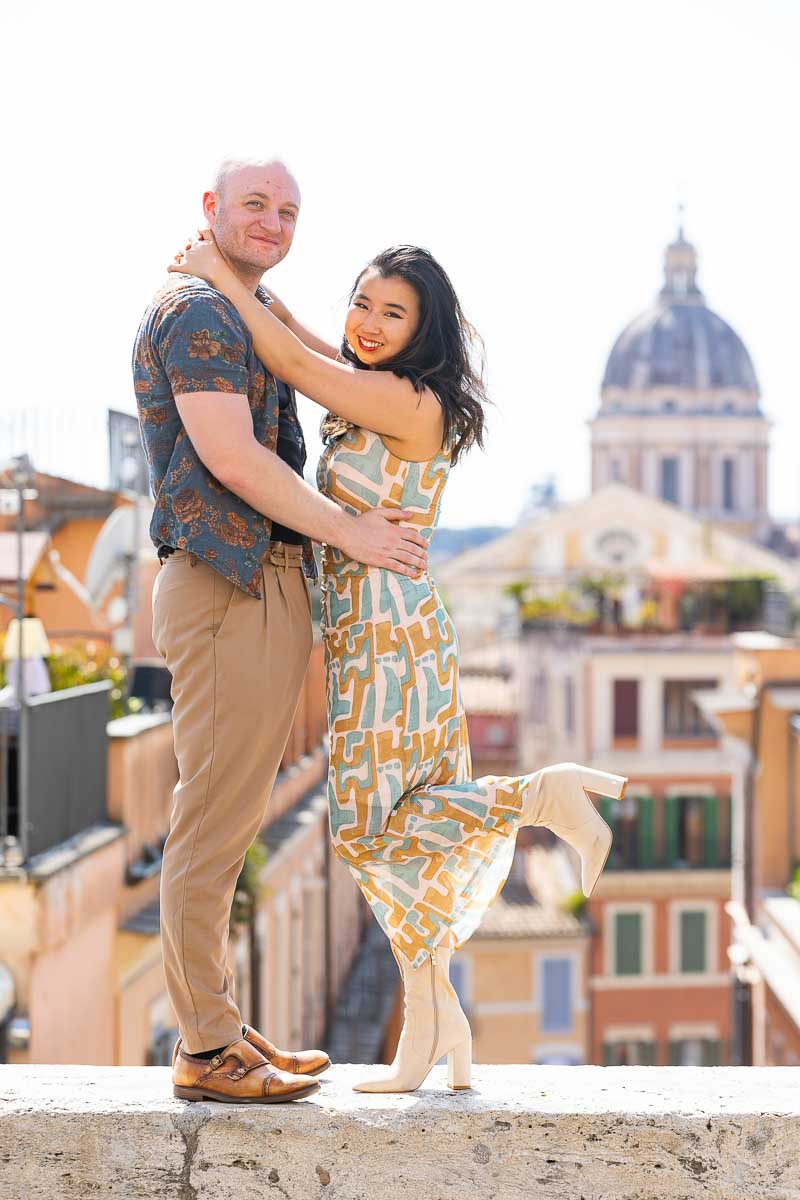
(628, 1133)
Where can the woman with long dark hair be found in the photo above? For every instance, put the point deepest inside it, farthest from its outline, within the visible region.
(429, 847)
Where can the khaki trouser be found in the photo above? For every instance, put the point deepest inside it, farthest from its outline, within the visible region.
(237, 666)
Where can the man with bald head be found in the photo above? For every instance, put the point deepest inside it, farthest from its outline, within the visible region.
(233, 525)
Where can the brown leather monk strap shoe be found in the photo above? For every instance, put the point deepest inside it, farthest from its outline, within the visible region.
(296, 1062)
(239, 1074)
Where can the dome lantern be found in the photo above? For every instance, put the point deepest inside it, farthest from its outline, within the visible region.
(680, 273)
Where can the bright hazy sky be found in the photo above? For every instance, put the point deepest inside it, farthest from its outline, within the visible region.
(538, 149)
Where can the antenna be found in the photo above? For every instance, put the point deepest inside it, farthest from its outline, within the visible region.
(121, 540)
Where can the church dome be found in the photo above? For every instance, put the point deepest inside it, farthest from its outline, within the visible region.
(680, 342)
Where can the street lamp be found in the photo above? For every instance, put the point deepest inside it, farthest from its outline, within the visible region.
(129, 473)
(22, 476)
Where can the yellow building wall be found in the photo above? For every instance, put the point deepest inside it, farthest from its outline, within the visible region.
(503, 1004)
(140, 986)
(72, 996)
(771, 824)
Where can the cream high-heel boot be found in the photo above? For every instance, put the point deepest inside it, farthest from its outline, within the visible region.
(558, 800)
(434, 1024)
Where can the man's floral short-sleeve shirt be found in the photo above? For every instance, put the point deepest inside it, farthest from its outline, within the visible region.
(191, 339)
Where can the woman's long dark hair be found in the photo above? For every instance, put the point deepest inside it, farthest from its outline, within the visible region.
(445, 353)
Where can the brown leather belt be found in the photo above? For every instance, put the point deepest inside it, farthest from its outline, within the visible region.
(279, 554)
(284, 554)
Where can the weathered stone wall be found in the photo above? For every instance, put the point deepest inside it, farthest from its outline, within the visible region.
(72, 1133)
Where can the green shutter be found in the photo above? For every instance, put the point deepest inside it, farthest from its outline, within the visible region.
(646, 1054)
(608, 811)
(675, 1054)
(646, 832)
(609, 1057)
(711, 1052)
(672, 809)
(725, 823)
(711, 831)
(693, 942)
(628, 944)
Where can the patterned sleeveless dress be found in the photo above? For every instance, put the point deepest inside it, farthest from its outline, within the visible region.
(429, 847)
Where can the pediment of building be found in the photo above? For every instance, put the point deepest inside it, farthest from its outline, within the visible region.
(617, 528)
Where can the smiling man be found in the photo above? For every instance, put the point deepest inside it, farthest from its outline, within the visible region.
(233, 525)
(253, 211)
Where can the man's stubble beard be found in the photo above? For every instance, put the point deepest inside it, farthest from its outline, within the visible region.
(246, 268)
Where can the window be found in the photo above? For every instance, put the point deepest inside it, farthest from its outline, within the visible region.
(682, 717)
(616, 470)
(625, 829)
(558, 1058)
(569, 705)
(686, 838)
(728, 484)
(626, 708)
(695, 1052)
(497, 734)
(632, 824)
(697, 831)
(669, 480)
(539, 698)
(458, 978)
(629, 1053)
(162, 1041)
(556, 994)
(628, 943)
(693, 942)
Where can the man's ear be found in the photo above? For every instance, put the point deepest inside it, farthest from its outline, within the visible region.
(210, 207)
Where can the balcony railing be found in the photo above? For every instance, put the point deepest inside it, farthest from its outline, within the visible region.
(60, 787)
(668, 834)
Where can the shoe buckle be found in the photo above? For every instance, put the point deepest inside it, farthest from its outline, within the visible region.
(216, 1061)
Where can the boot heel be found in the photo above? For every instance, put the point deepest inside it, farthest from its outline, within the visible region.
(594, 858)
(459, 1067)
(602, 783)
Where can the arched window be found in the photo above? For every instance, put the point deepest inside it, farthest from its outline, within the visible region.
(670, 480)
(728, 484)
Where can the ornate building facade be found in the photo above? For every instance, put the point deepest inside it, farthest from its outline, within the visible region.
(680, 416)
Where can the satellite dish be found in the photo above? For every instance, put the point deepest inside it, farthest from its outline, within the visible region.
(123, 537)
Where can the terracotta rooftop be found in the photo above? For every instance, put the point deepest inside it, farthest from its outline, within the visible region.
(531, 903)
(33, 546)
(512, 920)
(489, 692)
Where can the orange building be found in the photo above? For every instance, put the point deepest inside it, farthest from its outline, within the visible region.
(61, 529)
(758, 718)
(61, 526)
(489, 695)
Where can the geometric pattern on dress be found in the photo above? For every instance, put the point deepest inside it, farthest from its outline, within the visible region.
(429, 847)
